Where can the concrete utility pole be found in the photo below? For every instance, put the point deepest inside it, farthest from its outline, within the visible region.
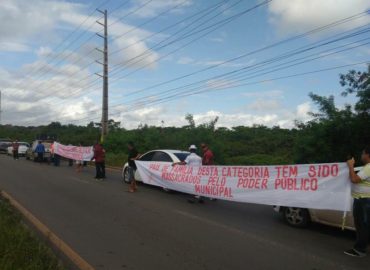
(0, 108)
(104, 119)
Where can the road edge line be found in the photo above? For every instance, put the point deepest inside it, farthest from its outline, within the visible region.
(52, 237)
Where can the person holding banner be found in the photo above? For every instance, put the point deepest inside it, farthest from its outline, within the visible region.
(79, 163)
(195, 161)
(56, 157)
(133, 155)
(99, 157)
(207, 159)
(361, 204)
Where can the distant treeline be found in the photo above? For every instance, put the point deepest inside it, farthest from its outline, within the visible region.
(331, 136)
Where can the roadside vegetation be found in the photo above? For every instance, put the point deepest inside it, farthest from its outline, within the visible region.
(332, 135)
(19, 248)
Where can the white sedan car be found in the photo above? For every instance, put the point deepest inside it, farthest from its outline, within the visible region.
(23, 147)
(301, 217)
(157, 156)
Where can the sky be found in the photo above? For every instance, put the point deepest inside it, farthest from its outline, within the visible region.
(247, 62)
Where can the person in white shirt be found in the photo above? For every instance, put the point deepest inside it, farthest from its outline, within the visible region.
(361, 204)
(192, 160)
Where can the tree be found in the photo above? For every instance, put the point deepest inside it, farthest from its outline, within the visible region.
(190, 118)
(337, 133)
(358, 83)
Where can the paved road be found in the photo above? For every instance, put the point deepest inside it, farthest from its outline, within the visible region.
(113, 229)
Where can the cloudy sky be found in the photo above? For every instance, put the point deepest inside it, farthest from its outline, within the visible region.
(242, 60)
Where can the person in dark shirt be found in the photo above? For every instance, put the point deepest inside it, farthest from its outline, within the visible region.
(133, 154)
(15, 150)
(99, 157)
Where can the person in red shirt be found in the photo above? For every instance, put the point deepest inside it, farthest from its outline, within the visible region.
(208, 158)
(207, 155)
(15, 146)
(99, 157)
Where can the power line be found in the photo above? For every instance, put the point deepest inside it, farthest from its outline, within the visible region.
(96, 80)
(242, 77)
(259, 50)
(131, 12)
(164, 100)
(218, 25)
(67, 37)
(257, 65)
(162, 13)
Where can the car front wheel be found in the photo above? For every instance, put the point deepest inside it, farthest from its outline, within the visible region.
(125, 176)
(296, 217)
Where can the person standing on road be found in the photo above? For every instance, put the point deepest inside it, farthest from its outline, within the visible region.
(133, 155)
(99, 157)
(192, 160)
(15, 146)
(40, 150)
(361, 204)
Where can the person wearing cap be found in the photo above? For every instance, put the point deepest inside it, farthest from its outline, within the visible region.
(195, 161)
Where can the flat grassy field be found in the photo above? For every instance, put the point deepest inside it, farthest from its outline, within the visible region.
(20, 249)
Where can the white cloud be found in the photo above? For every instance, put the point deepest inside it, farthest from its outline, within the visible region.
(300, 15)
(153, 115)
(13, 47)
(23, 20)
(135, 56)
(43, 51)
(303, 110)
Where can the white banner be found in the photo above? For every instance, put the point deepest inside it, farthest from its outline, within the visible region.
(74, 152)
(316, 186)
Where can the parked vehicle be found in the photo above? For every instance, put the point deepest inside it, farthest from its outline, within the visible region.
(302, 217)
(158, 156)
(4, 144)
(23, 147)
(31, 155)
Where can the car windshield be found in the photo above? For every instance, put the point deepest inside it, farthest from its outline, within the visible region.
(181, 156)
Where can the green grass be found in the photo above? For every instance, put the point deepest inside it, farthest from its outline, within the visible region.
(115, 160)
(19, 248)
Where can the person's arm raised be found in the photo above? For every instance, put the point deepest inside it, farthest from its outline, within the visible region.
(352, 174)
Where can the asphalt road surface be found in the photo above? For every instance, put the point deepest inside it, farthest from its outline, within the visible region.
(113, 229)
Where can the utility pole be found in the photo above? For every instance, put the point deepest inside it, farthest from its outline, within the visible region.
(0, 107)
(104, 119)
